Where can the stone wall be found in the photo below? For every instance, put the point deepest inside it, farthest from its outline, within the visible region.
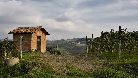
(30, 41)
(43, 41)
(26, 42)
(34, 42)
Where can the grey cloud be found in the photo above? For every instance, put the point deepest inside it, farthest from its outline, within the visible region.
(94, 3)
(52, 9)
(123, 19)
(62, 18)
(42, 0)
(104, 18)
(69, 18)
(113, 13)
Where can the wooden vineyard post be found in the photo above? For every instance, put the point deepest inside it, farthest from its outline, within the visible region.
(92, 43)
(119, 48)
(102, 40)
(119, 42)
(57, 47)
(21, 39)
(87, 47)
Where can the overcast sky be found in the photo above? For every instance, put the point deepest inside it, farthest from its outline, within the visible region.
(69, 18)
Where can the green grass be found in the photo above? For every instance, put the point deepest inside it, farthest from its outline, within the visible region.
(115, 55)
(74, 72)
(111, 73)
(68, 66)
(114, 67)
(26, 69)
(32, 65)
(127, 69)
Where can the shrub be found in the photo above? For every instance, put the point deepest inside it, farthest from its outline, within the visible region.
(111, 73)
(129, 67)
(8, 49)
(26, 69)
(72, 71)
(53, 51)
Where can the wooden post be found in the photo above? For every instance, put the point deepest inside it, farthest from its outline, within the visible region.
(92, 43)
(5, 55)
(87, 48)
(119, 41)
(102, 33)
(92, 36)
(86, 39)
(119, 48)
(21, 38)
(57, 46)
(119, 28)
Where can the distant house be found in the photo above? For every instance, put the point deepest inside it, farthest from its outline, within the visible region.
(30, 38)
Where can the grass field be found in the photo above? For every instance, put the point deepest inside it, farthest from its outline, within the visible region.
(106, 65)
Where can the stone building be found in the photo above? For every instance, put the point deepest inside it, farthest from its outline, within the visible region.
(30, 38)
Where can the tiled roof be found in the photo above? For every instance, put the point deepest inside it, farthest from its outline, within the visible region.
(28, 30)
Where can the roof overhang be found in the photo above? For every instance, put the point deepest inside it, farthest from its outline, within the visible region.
(25, 30)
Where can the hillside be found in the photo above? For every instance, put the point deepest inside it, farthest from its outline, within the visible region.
(36, 65)
(112, 55)
(76, 45)
(84, 65)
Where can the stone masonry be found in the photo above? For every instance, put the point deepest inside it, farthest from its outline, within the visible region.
(33, 38)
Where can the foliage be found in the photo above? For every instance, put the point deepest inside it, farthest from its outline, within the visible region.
(114, 55)
(114, 41)
(32, 65)
(114, 67)
(74, 72)
(53, 51)
(111, 73)
(25, 69)
(129, 67)
(28, 67)
(8, 48)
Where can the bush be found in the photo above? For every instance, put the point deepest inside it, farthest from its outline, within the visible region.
(74, 72)
(8, 48)
(111, 73)
(53, 51)
(129, 67)
(115, 55)
(26, 69)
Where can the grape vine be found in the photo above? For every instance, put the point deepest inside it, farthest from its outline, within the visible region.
(114, 41)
